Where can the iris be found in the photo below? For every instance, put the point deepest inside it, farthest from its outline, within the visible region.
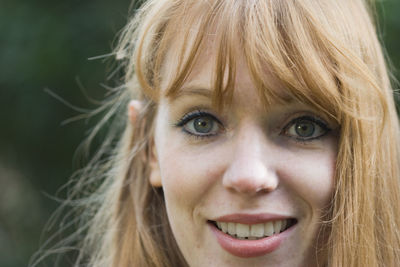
(305, 128)
(203, 124)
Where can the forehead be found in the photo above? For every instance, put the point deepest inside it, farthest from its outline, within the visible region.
(202, 77)
(200, 83)
(210, 51)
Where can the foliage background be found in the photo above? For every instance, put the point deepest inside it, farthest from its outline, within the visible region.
(46, 45)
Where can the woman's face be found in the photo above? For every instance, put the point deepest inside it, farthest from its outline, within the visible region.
(246, 186)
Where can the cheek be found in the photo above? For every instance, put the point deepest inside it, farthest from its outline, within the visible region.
(311, 176)
(180, 168)
(185, 171)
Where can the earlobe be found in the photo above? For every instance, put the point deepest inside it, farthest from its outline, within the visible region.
(155, 174)
(155, 177)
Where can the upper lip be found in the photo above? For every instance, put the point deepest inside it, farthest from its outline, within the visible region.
(245, 218)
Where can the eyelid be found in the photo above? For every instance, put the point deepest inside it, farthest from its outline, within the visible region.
(312, 118)
(195, 114)
(188, 117)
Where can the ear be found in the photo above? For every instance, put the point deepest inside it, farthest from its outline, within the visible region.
(134, 108)
(155, 174)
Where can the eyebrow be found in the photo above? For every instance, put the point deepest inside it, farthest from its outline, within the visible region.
(194, 90)
(198, 90)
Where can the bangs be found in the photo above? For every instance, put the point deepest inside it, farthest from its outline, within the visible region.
(292, 54)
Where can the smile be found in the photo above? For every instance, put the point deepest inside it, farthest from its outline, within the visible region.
(254, 231)
(246, 235)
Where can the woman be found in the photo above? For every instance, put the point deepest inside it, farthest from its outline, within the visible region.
(264, 133)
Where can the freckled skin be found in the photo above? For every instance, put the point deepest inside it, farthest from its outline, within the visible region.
(250, 166)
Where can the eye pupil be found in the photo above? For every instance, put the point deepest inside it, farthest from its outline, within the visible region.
(305, 128)
(203, 124)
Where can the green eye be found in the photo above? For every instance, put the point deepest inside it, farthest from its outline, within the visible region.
(201, 124)
(306, 128)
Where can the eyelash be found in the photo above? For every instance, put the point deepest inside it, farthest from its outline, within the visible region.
(316, 121)
(202, 114)
(195, 115)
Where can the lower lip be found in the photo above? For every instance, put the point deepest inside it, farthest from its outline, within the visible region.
(249, 248)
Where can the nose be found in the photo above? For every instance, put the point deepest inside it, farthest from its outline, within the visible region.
(251, 168)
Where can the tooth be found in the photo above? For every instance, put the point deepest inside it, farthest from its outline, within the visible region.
(268, 229)
(277, 227)
(284, 224)
(224, 227)
(231, 228)
(257, 230)
(242, 230)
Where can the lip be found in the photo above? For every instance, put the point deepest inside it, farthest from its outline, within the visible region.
(245, 218)
(250, 248)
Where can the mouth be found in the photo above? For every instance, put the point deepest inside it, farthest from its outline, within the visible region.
(249, 236)
(254, 231)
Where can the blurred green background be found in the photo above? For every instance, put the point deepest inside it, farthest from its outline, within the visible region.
(46, 44)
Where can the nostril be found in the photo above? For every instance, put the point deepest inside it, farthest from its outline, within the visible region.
(251, 184)
(265, 190)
